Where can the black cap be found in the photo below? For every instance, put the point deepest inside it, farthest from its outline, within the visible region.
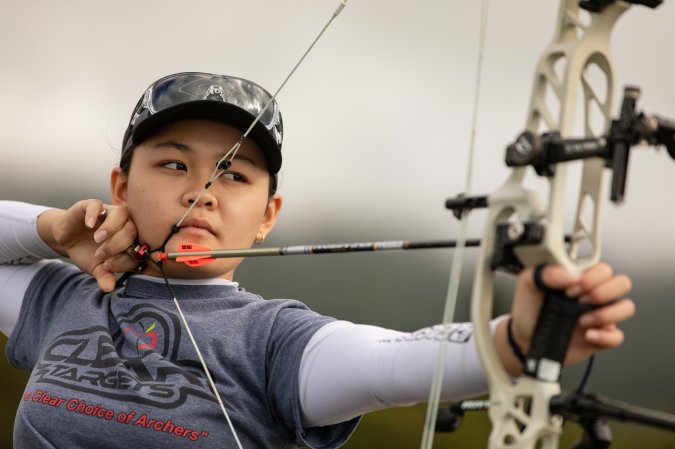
(227, 99)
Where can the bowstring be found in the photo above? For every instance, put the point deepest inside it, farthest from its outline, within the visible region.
(221, 166)
(456, 268)
(212, 384)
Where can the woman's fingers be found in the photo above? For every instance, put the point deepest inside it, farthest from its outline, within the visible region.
(117, 242)
(105, 272)
(117, 233)
(608, 290)
(595, 276)
(116, 218)
(597, 285)
(120, 263)
(556, 277)
(105, 279)
(609, 314)
(93, 210)
(605, 338)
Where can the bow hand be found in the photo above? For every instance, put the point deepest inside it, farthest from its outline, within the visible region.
(596, 303)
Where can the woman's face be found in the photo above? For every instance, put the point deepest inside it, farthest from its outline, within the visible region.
(167, 172)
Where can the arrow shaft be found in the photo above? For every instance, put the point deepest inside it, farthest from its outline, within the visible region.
(331, 248)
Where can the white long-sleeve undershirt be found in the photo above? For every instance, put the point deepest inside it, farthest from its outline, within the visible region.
(21, 254)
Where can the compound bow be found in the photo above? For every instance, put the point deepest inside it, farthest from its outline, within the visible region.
(522, 230)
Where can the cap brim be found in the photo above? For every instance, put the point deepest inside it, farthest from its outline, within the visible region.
(213, 110)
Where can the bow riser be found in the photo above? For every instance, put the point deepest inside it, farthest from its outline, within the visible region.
(581, 48)
(508, 401)
(520, 412)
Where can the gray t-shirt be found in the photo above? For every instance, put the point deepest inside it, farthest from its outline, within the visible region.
(118, 370)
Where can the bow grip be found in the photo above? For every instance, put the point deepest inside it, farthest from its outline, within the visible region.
(553, 332)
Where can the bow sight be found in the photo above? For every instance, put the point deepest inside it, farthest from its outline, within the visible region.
(542, 152)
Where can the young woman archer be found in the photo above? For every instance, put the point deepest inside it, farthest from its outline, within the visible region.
(115, 361)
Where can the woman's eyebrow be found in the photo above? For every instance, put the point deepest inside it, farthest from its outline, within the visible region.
(184, 148)
(241, 157)
(176, 145)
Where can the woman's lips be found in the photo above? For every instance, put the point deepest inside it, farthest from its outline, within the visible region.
(197, 226)
(195, 230)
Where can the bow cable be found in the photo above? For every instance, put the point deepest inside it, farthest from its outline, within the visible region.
(456, 269)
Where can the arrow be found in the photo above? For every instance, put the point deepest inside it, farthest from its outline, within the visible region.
(194, 254)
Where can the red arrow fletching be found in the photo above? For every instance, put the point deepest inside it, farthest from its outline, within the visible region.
(192, 261)
(196, 261)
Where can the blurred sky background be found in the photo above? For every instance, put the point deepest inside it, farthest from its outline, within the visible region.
(377, 127)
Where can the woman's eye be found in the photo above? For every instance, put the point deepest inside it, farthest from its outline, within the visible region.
(233, 176)
(173, 165)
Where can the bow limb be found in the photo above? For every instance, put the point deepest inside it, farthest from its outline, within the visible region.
(519, 411)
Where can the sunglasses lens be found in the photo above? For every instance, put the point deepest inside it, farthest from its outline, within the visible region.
(194, 87)
(184, 88)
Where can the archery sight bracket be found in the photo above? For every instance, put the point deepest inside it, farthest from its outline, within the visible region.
(544, 151)
(508, 235)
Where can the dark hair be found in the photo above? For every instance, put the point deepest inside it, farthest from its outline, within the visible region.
(127, 155)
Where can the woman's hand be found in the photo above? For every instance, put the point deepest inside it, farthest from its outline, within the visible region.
(94, 236)
(596, 329)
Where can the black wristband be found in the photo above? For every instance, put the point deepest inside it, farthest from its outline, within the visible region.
(512, 342)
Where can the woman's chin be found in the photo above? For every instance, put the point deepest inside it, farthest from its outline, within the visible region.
(220, 268)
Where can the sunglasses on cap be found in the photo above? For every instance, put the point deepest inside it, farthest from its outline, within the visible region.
(231, 100)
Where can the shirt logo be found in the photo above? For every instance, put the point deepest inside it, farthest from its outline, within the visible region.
(141, 362)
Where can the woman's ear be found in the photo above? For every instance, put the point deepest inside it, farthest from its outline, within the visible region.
(271, 213)
(118, 186)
